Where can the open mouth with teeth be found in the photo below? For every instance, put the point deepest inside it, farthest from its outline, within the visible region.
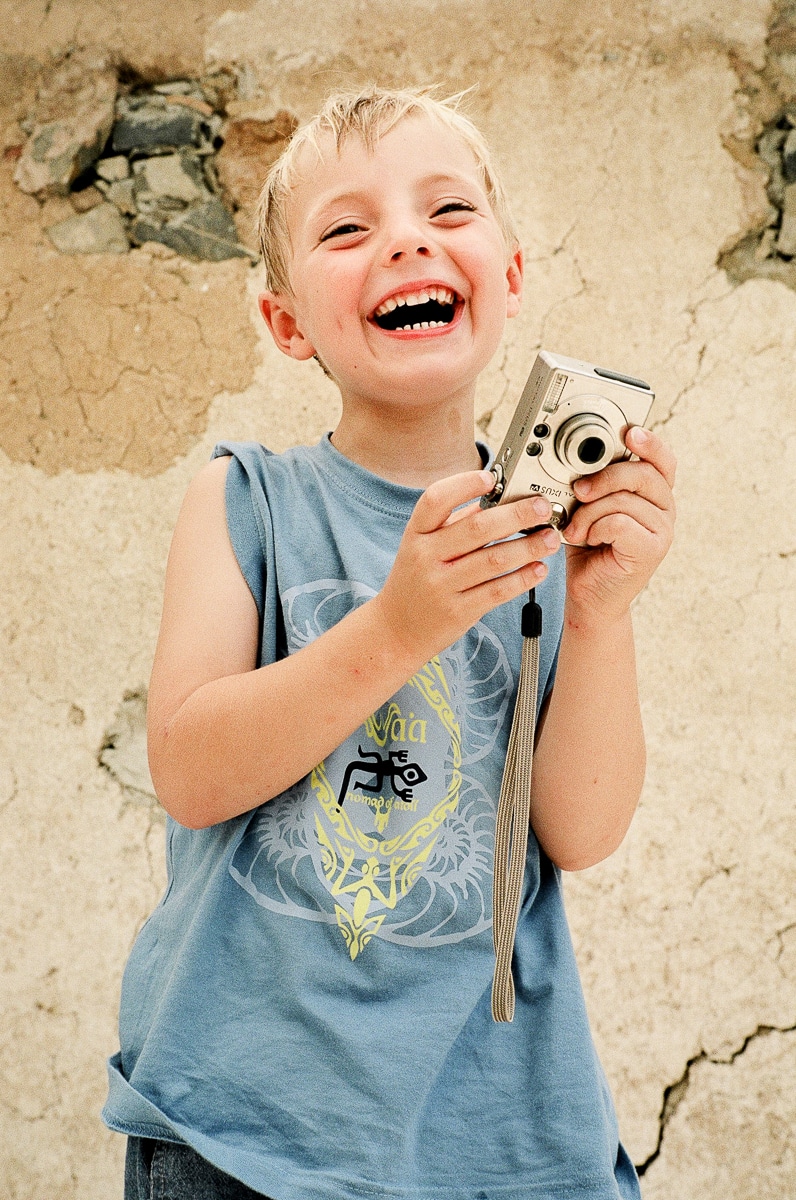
(428, 309)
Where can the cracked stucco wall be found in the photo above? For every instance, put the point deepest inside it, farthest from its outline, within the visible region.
(111, 367)
(610, 127)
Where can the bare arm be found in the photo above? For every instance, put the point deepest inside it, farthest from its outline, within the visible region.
(590, 758)
(224, 735)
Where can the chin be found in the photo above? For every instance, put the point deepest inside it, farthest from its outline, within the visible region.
(424, 387)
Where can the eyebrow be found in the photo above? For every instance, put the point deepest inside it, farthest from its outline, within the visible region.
(446, 177)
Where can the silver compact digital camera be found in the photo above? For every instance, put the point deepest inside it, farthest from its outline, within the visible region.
(571, 421)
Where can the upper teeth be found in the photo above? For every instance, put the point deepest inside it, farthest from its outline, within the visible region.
(442, 295)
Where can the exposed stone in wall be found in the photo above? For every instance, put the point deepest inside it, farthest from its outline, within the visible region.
(110, 359)
(768, 249)
(73, 119)
(149, 152)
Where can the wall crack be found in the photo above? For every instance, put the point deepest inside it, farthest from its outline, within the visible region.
(675, 1093)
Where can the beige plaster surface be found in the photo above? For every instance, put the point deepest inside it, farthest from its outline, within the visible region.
(610, 123)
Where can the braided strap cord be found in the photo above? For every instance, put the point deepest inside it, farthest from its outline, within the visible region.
(511, 832)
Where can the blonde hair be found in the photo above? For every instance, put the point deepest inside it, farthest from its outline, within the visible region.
(368, 114)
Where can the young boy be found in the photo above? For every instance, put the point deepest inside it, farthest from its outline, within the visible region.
(306, 1015)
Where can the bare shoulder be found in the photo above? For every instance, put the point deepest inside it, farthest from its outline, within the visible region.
(209, 626)
(206, 492)
(200, 543)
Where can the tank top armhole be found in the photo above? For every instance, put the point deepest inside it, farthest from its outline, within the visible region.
(249, 540)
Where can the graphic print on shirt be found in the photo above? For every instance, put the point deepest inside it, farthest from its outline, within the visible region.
(392, 835)
(393, 767)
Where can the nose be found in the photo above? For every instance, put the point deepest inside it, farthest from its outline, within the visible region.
(405, 239)
(423, 251)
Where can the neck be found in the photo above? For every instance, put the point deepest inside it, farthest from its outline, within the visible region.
(407, 445)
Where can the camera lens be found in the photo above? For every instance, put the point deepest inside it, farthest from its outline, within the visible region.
(591, 450)
(585, 443)
(533, 448)
(541, 431)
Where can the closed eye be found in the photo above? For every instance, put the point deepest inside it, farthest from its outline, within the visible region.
(451, 206)
(341, 231)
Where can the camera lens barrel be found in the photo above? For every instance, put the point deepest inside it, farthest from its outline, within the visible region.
(585, 443)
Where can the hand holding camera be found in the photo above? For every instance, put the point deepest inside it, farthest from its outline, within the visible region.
(577, 437)
(456, 562)
(623, 527)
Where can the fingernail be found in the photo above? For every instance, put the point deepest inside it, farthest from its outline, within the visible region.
(583, 487)
(542, 507)
(640, 435)
(539, 570)
(551, 538)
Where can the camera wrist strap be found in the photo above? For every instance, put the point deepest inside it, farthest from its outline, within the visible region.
(514, 816)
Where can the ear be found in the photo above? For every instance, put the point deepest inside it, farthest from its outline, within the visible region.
(278, 314)
(514, 275)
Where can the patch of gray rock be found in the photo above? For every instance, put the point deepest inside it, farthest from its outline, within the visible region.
(777, 148)
(138, 168)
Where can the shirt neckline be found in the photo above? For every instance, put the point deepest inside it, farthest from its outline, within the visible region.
(394, 499)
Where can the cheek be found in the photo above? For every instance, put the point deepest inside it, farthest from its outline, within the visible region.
(485, 264)
(344, 283)
(342, 303)
(331, 301)
(495, 293)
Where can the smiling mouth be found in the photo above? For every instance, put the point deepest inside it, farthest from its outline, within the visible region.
(427, 309)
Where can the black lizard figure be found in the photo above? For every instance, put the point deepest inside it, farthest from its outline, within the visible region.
(395, 768)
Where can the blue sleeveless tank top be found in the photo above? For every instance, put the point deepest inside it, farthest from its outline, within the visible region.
(309, 1004)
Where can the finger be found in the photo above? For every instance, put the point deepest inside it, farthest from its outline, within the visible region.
(653, 449)
(632, 544)
(501, 558)
(439, 500)
(640, 477)
(483, 597)
(480, 526)
(645, 514)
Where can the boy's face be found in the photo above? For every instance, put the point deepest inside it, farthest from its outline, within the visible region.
(386, 240)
